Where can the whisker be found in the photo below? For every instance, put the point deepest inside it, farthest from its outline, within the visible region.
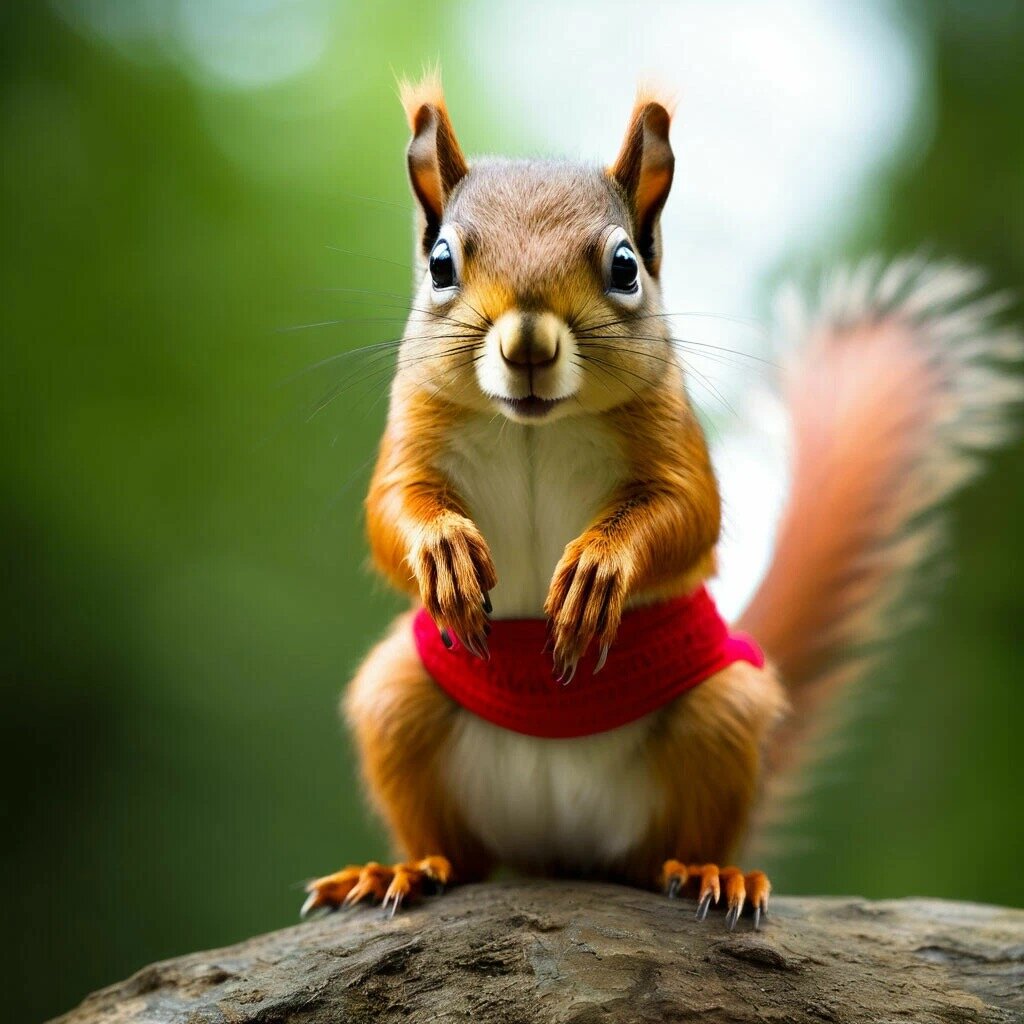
(703, 378)
(721, 360)
(681, 342)
(608, 368)
(625, 369)
(376, 259)
(582, 366)
(706, 381)
(403, 296)
(337, 321)
(449, 369)
(374, 199)
(376, 349)
(458, 350)
(379, 367)
(346, 485)
(342, 320)
(484, 321)
(576, 319)
(381, 372)
(690, 343)
(745, 321)
(631, 351)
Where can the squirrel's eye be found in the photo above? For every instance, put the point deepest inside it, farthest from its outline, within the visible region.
(625, 269)
(442, 266)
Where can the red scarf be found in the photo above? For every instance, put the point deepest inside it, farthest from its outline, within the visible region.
(660, 651)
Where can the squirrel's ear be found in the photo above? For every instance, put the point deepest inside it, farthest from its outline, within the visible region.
(643, 169)
(436, 163)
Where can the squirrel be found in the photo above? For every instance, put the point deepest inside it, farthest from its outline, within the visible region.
(564, 699)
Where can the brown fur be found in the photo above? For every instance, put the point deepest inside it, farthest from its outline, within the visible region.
(436, 163)
(530, 237)
(644, 169)
(400, 720)
(706, 752)
(654, 538)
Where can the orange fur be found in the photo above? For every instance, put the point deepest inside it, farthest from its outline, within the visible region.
(659, 530)
(435, 160)
(869, 401)
(420, 535)
(655, 537)
(425, 91)
(897, 385)
(705, 754)
(401, 721)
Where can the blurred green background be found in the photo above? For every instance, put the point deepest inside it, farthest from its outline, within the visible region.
(186, 592)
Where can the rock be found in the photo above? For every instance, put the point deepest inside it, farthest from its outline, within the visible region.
(540, 951)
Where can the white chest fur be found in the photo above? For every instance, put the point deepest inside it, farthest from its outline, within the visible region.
(531, 490)
(578, 803)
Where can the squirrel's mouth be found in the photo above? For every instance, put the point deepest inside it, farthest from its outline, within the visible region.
(531, 407)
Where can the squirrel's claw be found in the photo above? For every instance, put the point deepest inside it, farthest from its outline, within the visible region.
(476, 645)
(329, 892)
(585, 603)
(733, 914)
(372, 885)
(758, 891)
(393, 887)
(396, 903)
(311, 905)
(740, 889)
(455, 573)
(566, 673)
(703, 906)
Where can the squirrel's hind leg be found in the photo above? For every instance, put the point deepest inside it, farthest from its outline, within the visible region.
(708, 760)
(400, 720)
(378, 883)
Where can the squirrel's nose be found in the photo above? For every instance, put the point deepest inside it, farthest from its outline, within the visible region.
(528, 339)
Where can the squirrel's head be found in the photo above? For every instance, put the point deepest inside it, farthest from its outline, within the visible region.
(537, 282)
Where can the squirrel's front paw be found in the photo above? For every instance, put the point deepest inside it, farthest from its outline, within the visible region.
(586, 598)
(454, 570)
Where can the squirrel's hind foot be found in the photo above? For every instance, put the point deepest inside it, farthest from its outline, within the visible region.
(377, 883)
(707, 882)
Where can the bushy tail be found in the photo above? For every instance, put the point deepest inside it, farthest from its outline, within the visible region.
(897, 382)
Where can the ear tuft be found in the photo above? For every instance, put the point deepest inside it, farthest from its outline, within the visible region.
(650, 90)
(427, 91)
(644, 169)
(435, 159)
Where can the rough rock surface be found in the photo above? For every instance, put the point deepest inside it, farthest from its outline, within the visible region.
(586, 953)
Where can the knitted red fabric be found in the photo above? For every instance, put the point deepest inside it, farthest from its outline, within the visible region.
(660, 651)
